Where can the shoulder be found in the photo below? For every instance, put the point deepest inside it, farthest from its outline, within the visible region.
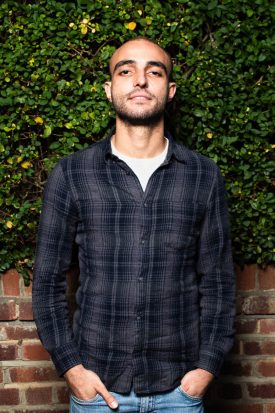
(95, 152)
(88, 158)
(71, 169)
(195, 160)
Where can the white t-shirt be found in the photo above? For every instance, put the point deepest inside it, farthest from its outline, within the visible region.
(142, 167)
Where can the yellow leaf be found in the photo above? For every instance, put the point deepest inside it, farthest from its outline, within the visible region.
(210, 135)
(132, 25)
(9, 224)
(19, 159)
(69, 125)
(26, 164)
(31, 61)
(83, 28)
(38, 120)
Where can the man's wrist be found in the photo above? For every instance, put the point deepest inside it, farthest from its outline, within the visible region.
(206, 373)
(74, 372)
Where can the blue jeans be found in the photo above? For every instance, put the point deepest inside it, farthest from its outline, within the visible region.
(175, 401)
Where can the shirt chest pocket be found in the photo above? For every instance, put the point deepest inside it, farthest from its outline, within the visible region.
(181, 224)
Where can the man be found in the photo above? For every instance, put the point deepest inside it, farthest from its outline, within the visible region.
(156, 294)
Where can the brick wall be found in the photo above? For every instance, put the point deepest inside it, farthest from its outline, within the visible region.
(29, 383)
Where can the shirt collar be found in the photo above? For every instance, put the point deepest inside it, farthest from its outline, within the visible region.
(175, 151)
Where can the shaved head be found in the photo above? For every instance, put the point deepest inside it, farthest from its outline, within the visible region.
(169, 63)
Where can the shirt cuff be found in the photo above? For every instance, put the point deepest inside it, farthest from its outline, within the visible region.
(211, 360)
(65, 357)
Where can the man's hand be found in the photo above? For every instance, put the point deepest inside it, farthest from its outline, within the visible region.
(196, 382)
(85, 385)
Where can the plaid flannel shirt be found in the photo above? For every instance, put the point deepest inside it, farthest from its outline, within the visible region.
(156, 292)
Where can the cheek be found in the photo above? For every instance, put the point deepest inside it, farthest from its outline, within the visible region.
(162, 93)
(119, 90)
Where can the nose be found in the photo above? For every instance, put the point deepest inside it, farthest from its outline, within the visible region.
(140, 78)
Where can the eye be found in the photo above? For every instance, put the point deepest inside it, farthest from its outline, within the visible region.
(155, 73)
(125, 72)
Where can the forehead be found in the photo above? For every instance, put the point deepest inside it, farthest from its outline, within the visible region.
(141, 51)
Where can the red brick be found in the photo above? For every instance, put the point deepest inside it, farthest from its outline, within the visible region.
(267, 278)
(237, 368)
(34, 351)
(268, 347)
(7, 310)
(8, 351)
(39, 395)
(246, 326)
(266, 368)
(270, 408)
(63, 394)
(259, 305)
(265, 391)
(233, 408)
(246, 277)
(8, 332)
(230, 391)
(32, 374)
(9, 397)
(10, 280)
(267, 325)
(25, 311)
(253, 348)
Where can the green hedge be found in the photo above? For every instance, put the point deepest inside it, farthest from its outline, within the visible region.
(53, 63)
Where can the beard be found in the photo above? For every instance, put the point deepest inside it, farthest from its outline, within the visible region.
(140, 116)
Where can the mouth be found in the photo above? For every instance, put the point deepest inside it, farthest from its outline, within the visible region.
(139, 97)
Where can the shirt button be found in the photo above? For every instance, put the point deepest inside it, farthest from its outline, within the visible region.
(143, 241)
(138, 317)
(140, 278)
(146, 205)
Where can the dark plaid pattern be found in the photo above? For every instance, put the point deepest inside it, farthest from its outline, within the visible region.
(156, 294)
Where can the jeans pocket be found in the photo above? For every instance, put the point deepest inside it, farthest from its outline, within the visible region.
(84, 402)
(183, 392)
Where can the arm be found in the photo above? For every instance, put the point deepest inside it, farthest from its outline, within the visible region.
(56, 235)
(57, 229)
(217, 292)
(216, 282)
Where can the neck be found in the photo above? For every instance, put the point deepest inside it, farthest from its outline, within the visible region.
(139, 141)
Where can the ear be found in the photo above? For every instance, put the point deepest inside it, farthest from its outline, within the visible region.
(107, 86)
(171, 90)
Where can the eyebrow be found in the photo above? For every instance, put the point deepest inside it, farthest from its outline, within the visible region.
(149, 63)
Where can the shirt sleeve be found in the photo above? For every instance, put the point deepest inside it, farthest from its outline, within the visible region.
(217, 281)
(55, 242)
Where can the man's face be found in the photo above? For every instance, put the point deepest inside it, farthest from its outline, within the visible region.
(140, 89)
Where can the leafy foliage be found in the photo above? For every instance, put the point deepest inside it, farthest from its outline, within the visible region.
(53, 64)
